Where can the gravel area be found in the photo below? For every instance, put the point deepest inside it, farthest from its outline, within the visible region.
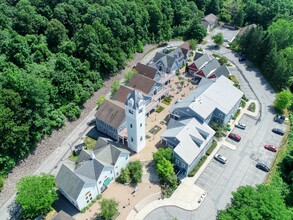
(46, 147)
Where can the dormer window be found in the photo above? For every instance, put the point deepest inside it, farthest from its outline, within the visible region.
(131, 112)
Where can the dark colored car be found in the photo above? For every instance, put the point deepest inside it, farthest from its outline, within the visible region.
(278, 131)
(279, 118)
(235, 137)
(270, 148)
(263, 167)
(242, 59)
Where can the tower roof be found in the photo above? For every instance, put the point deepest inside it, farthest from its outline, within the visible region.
(136, 97)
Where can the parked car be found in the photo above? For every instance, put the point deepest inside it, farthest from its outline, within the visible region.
(279, 118)
(278, 131)
(220, 158)
(263, 167)
(240, 125)
(270, 148)
(235, 137)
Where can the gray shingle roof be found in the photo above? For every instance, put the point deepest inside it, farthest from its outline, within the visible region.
(210, 67)
(205, 58)
(210, 18)
(111, 112)
(69, 182)
(197, 55)
(158, 56)
(222, 70)
(62, 216)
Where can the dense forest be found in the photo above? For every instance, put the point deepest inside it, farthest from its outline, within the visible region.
(55, 54)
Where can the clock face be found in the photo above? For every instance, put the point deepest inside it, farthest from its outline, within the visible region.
(130, 102)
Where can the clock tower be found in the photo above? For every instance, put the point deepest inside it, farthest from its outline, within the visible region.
(135, 119)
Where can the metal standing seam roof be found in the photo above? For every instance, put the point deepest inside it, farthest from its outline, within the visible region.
(111, 112)
(209, 95)
(192, 137)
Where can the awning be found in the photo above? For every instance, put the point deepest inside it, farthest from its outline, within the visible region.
(107, 182)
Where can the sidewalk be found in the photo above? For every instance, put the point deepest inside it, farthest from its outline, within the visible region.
(187, 195)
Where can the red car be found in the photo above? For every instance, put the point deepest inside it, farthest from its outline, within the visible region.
(271, 148)
(235, 137)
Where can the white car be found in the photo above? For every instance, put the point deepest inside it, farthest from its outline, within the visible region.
(240, 125)
(220, 158)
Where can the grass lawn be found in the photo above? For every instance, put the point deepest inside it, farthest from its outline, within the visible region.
(89, 143)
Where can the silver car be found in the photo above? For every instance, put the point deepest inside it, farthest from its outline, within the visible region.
(220, 158)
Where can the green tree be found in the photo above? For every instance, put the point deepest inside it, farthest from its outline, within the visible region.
(223, 60)
(283, 100)
(260, 202)
(165, 170)
(36, 194)
(213, 7)
(238, 18)
(129, 75)
(109, 208)
(193, 43)
(135, 171)
(55, 33)
(124, 176)
(218, 39)
(166, 153)
(114, 87)
(101, 100)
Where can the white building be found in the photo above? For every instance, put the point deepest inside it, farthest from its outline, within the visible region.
(82, 181)
(135, 119)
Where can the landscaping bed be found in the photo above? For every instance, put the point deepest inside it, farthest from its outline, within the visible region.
(251, 107)
(160, 109)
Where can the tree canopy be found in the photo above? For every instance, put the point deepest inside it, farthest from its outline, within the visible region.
(260, 202)
(283, 100)
(218, 39)
(109, 208)
(55, 54)
(36, 194)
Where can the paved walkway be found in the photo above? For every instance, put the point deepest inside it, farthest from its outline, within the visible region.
(188, 195)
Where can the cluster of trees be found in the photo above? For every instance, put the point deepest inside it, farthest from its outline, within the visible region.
(260, 202)
(272, 51)
(109, 208)
(239, 12)
(165, 170)
(132, 173)
(36, 194)
(55, 54)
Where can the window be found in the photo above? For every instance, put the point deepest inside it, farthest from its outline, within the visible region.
(131, 112)
(106, 177)
(111, 171)
(140, 138)
(140, 110)
(131, 125)
(131, 139)
(100, 182)
(140, 124)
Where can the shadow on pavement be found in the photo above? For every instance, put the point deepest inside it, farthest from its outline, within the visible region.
(63, 204)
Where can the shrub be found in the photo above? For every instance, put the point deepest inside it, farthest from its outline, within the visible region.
(167, 100)
(131, 174)
(124, 176)
(196, 168)
(1, 183)
(236, 114)
(251, 107)
(160, 109)
(243, 104)
(212, 148)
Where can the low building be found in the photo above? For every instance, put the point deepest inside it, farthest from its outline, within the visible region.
(82, 181)
(210, 21)
(189, 139)
(217, 100)
(200, 59)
